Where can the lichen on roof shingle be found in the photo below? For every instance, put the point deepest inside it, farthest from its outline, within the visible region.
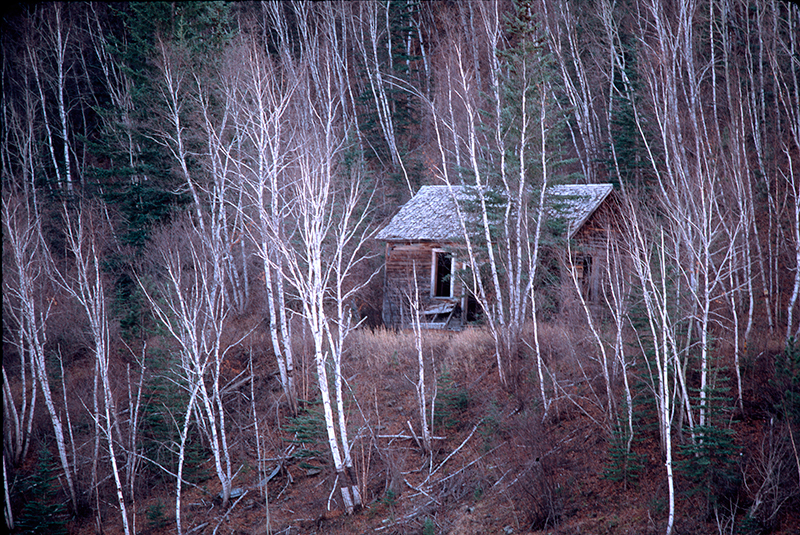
(431, 214)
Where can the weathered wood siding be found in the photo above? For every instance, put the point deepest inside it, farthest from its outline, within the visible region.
(593, 234)
(591, 241)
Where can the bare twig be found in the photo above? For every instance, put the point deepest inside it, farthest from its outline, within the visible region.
(225, 516)
(418, 489)
(455, 450)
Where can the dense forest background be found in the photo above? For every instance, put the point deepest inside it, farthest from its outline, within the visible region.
(191, 293)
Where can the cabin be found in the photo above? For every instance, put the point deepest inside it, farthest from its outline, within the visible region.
(423, 240)
(590, 213)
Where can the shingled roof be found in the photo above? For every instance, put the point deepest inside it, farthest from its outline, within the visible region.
(431, 214)
(577, 202)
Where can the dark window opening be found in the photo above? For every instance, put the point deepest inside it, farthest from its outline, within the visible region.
(585, 277)
(474, 311)
(443, 275)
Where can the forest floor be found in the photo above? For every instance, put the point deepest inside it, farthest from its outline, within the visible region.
(496, 468)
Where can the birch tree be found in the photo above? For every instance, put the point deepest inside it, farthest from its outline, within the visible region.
(372, 29)
(502, 229)
(421, 389)
(561, 24)
(226, 218)
(85, 284)
(702, 228)
(788, 96)
(30, 301)
(324, 244)
(18, 413)
(21, 248)
(191, 305)
(260, 96)
(58, 136)
(649, 258)
(201, 302)
(29, 295)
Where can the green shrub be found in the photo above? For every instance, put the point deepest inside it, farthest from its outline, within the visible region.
(452, 401)
(156, 519)
(308, 430)
(623, 465)
(42, 511)
(787, 383)
(711, 461)
(161, 415)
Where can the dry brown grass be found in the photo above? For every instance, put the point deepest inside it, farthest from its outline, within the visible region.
(461, 353)
(375, 350)
(561, 345)
(468, 351)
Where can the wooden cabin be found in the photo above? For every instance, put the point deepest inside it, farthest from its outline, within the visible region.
(422, 251)
(589, 212)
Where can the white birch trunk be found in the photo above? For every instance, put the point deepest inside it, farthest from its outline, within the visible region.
(30, 267)
(184, 433)
(55, 419)
(790, 307)
(789, 95)
(86, 286)
(665, 401)
(533, 260)
(262, 123)
(420, 386)
(655, 294)
(195, 315)
(8, 513)
(328, 239)
(609, 407)
(619, 290)
(62, 40)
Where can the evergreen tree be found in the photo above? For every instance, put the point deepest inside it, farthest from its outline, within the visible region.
(711, 459)
(627, 161)
(134, 172)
